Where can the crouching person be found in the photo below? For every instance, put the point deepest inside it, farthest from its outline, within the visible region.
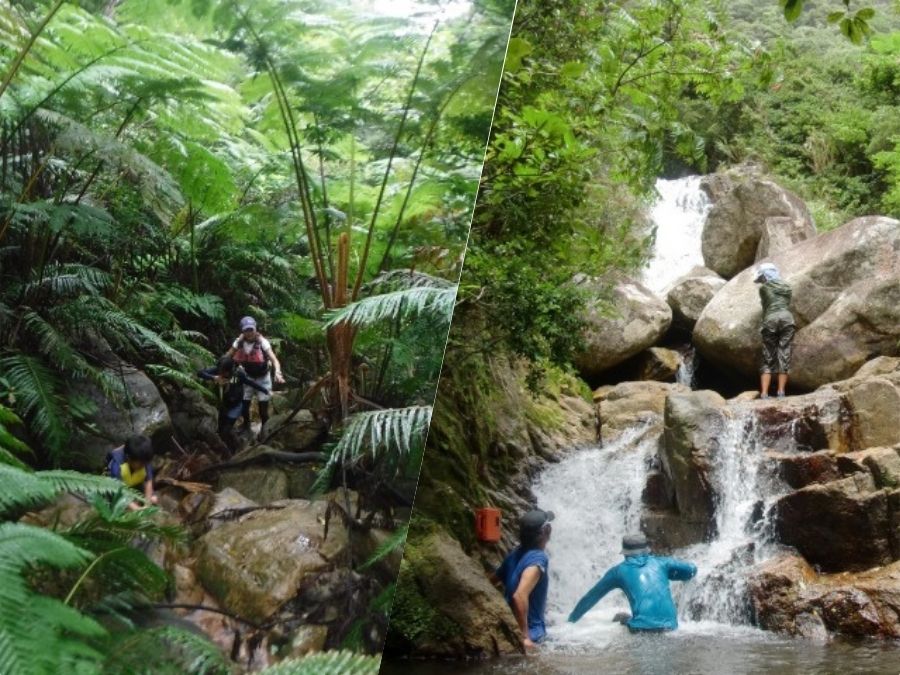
(131, 464)
(233, 379)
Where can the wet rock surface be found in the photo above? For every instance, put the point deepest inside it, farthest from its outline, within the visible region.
(257, 563)
(788, 596)
(611, 337)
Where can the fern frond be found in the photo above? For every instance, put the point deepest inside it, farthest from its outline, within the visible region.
(396, 541)
(328, 663)
(10, 446)
(162, 372)
(35, 392)
(181, 652)
(40, 634)
(66, 281)
(397, 431)
(393, 279)
(404, 303)
(60, 353)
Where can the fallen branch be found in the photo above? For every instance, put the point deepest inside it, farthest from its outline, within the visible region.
(277, 455)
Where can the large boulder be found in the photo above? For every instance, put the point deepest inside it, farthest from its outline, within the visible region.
(840, 525)
(630, 404)
(846, 302)
(445, 607)
(691, 293)
(261, 484)
(143, 412)
(295, 432)
(787, 596)
(694, 424)
(871, 409)
(257, 563)
(782, 232)
(637, 320)
(738, 219)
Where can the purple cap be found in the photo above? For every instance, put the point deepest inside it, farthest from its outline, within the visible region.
(248, 322)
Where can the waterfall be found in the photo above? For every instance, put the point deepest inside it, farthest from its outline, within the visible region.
(685, 373)
(678, 216)
(596, 496)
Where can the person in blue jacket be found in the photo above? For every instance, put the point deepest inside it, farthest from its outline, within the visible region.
(644, 578)
(523, 574)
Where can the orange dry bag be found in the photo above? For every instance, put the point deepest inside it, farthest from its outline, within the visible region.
(487, 524)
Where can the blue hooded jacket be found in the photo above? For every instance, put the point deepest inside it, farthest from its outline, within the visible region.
(645, 581)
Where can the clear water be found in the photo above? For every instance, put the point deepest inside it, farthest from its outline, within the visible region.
(694, 649)
(678, 215)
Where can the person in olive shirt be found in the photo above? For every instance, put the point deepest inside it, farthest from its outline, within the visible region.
(777, 328)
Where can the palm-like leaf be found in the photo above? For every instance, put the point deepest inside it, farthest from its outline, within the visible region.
(405, 304)
(39, 634)
(397, 431)
(182, 652)
(328, 663)
(26, 489)
(35, 392)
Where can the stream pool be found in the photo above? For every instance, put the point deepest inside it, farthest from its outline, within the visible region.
(696, 648)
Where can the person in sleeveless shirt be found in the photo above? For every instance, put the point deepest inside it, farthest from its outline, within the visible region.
(254, 353)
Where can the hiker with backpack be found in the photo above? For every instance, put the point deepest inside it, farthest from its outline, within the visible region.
(234, 380)
(252, 352)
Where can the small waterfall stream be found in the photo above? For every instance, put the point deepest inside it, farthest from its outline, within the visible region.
(596, 496)
(596, 493)
(678, 216)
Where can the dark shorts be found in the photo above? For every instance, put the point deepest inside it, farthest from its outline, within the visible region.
(777, 338)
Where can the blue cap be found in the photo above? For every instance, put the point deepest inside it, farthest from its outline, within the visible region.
(248, 322)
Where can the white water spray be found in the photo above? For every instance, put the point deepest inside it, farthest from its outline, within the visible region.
(685, 373)
(678, 215)
(596, 495)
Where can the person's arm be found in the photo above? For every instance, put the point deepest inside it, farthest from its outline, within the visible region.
(680, 570)
(593, 596)
(529, 579)
(208, 373)
(279, 378)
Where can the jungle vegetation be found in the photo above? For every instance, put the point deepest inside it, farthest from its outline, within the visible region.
(168, 167)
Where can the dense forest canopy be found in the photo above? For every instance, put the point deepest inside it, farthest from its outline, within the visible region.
(599, 99)
(169, 167)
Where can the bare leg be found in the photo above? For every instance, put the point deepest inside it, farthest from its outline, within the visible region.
(765, 379)
(782, 382)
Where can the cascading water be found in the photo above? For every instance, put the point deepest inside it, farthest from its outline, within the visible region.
(678, 216)
(685, 373)
(596, 495)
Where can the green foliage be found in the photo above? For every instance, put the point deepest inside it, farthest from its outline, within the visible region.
(139, 653)
(393, 439)
(330, 663)
(38, 633)
(839, 156)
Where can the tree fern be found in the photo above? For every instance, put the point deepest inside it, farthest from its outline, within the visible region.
(404, 303)
(395, 542)
(328, 663)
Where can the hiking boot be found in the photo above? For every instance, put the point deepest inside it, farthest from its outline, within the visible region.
(780, 394)
(764, 396)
